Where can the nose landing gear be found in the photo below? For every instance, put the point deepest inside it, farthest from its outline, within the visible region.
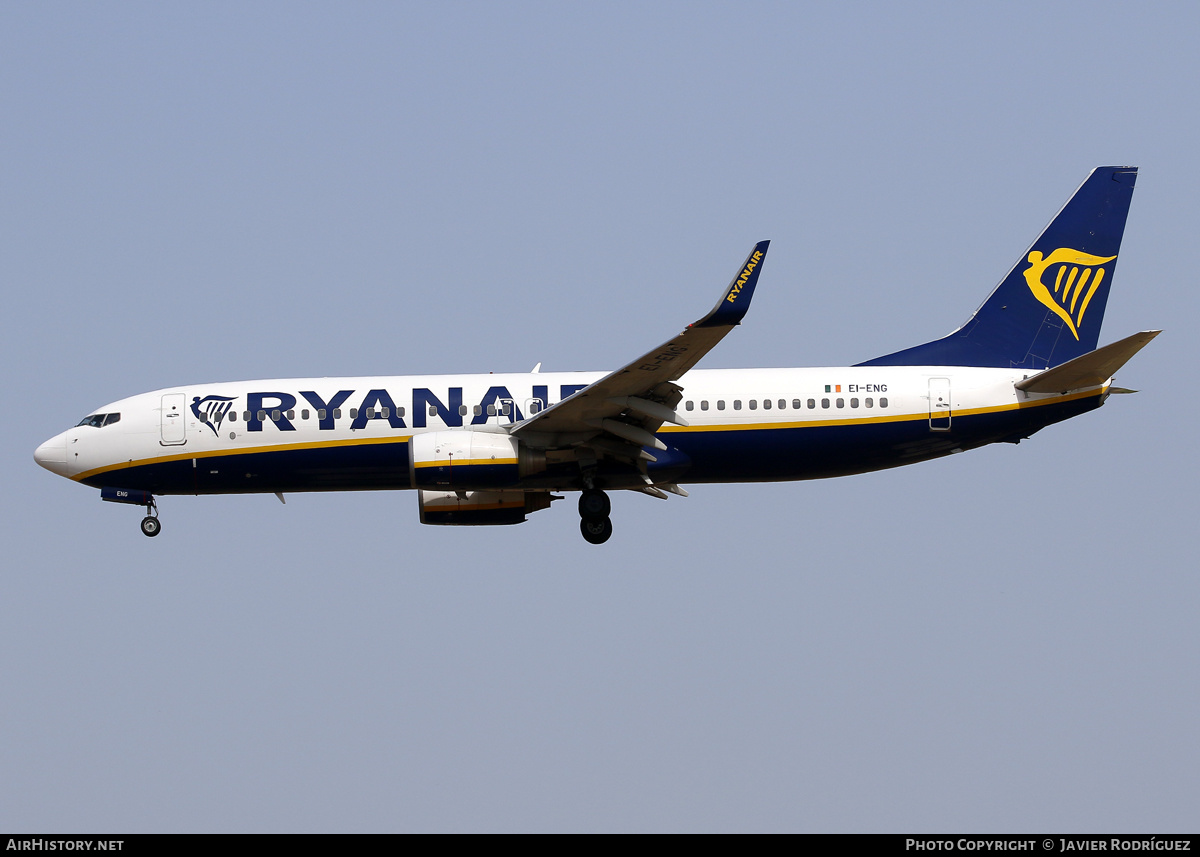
(594, 524)
(151, 526)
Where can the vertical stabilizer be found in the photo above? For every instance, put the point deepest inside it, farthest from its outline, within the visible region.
(1049, 308)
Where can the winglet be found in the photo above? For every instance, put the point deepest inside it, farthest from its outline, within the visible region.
(735, 300)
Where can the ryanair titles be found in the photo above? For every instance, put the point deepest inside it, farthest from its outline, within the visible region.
(281, 408)
(736, 289)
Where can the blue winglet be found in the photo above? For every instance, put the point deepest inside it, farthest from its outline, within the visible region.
(735, 301)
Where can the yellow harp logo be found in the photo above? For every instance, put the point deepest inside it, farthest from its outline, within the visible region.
(1079, 275)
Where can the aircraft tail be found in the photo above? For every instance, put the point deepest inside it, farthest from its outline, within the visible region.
(1049, 308)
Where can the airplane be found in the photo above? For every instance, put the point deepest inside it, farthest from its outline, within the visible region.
(493, 449)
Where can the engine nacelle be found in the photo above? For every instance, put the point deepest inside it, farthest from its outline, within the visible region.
(479, 508)
(470, 459)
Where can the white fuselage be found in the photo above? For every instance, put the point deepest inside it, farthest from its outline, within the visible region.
(734, 415)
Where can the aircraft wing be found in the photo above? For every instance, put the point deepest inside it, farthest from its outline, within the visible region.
(630, 404)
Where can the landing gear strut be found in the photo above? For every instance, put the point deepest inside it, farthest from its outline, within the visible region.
(594, 524)
(151, 526)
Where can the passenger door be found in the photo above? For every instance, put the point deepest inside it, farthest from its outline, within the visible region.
(174, 419)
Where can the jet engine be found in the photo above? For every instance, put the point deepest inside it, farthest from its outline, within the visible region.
(470, 460)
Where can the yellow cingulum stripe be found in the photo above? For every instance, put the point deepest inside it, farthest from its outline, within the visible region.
(475, 462)
(217, 453)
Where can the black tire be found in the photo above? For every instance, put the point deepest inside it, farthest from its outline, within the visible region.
(596, 532)
(594, 505)
(151, 526)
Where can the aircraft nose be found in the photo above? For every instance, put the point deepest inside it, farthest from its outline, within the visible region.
(52, 454)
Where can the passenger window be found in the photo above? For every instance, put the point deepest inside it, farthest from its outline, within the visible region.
(766, 404)
(291, 414)
(491, 410)
(354, 413)
(689, 405)
(824, 403)
(883, 401)
(704, 404)
(504, 409)
(262, 415)
(321, 414)
(245, 416)
(812, 403)
(462, 410)
(795, 404)
(232, 416)
(841, 403)
(433, 410)
(737, 404)
(478, 410)
(369, 413)
(870, 403)
(337, 413)
(720, 404)
(400, 411)
(304, 413)
(754, 404)
(854, 403)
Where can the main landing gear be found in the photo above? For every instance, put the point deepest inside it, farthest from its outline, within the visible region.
(594, 524)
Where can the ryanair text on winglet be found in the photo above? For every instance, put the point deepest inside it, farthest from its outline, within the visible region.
(745, 275)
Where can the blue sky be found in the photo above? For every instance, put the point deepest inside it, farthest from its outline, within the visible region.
(1001, 641)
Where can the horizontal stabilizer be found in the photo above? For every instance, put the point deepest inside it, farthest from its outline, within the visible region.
(1091, 369)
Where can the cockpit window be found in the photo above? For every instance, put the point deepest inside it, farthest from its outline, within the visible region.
(100, 420)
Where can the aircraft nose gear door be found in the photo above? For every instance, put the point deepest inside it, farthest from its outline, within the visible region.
(174, 423)
(939, 404)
